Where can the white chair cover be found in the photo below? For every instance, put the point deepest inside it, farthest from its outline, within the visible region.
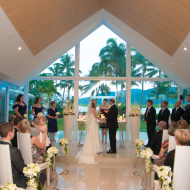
(5, 165)
(24, 145)
(172, 143)
(34, 132)
(181, 168)
(165, 135)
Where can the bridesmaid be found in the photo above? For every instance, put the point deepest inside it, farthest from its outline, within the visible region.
(52, 121)
(37, 108)
(103, 109)
(20, 108)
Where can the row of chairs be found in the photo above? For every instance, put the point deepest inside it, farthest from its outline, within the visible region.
(181, 171)
(24, 145)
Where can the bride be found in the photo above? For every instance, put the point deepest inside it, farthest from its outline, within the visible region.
(92, 144)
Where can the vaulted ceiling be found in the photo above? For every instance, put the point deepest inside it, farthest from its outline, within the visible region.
(163, 22)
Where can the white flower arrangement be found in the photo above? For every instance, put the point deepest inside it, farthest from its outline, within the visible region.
(64, 142)
(9, 186)
(147, 153)
(135, 111)
(165, 175)
(68, 109)
(49, 156)
(139, 145)
(25, 116)
(57, 113)
(32, 172)
(40, 114)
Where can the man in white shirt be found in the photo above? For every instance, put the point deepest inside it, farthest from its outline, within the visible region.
(186, 115)
(164, 113)
(177, 112)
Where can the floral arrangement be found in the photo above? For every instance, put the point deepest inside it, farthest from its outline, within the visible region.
(64, 142)
(9, 186)
(25, 116)
(49, 156)
(135, 111)
(68, 109)
(40, 114)
(147, 153)
(165, 175)
(32, 172)
(57, 113)
(139, 144)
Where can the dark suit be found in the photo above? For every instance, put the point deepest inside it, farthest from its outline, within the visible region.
(155, 144)
(170, 159)
(112, 124)
(176, 116)
(150, 118)
(164, 116)
(14, 140)
(17, 164)
(186, 114)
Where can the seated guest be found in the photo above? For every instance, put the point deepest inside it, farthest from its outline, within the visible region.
(182, 137)
(17, 162)
(16, 127)
(25, 128)
(36, 157)
(164, 148)
(155, 144)
(183, 124)
(177, 112)
(11, 119)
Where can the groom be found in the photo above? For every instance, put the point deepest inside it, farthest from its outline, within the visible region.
(112, 124)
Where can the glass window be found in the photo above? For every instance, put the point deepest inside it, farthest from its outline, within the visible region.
(101, 90)
(103, 53)
(157, 91)
(64, 66)
(51, 90)
(142, 67)
(3, 92)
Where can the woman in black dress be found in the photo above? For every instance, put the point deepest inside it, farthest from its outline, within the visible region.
(20, 108)
(52, 121)
(103, 109)
(37, 108)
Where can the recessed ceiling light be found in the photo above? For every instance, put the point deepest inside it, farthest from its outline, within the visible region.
(32, 63)
(9, 37)
(185, 48)
(19, 48)
(173, 63)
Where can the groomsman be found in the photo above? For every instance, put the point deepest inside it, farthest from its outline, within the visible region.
(177, 112)
(186, 115)
(164, 113)
(150, 120)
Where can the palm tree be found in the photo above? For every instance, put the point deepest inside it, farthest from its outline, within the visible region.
(141, 68)
(55, 70)
(116, 54)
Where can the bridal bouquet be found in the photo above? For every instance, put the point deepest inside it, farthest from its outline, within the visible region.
(40, 114)
(25, 116)
(32, 172)
(147, 153)
(139, 145)
(165, 175)
(57, 113)
(68, 110)
(50, 156)
(135, 111)
(9, 186)
(64, 142)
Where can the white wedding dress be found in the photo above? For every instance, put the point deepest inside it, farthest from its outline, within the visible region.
(92, 144)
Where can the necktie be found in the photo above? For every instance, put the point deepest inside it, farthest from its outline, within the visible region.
(162, 111)
(147, 111)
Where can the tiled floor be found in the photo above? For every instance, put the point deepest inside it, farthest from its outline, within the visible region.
(99, 177)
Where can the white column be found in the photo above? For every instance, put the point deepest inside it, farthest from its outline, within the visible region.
(7, 104)
(26, 88)
(128, 91)
(180, 92)
(76, 88)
